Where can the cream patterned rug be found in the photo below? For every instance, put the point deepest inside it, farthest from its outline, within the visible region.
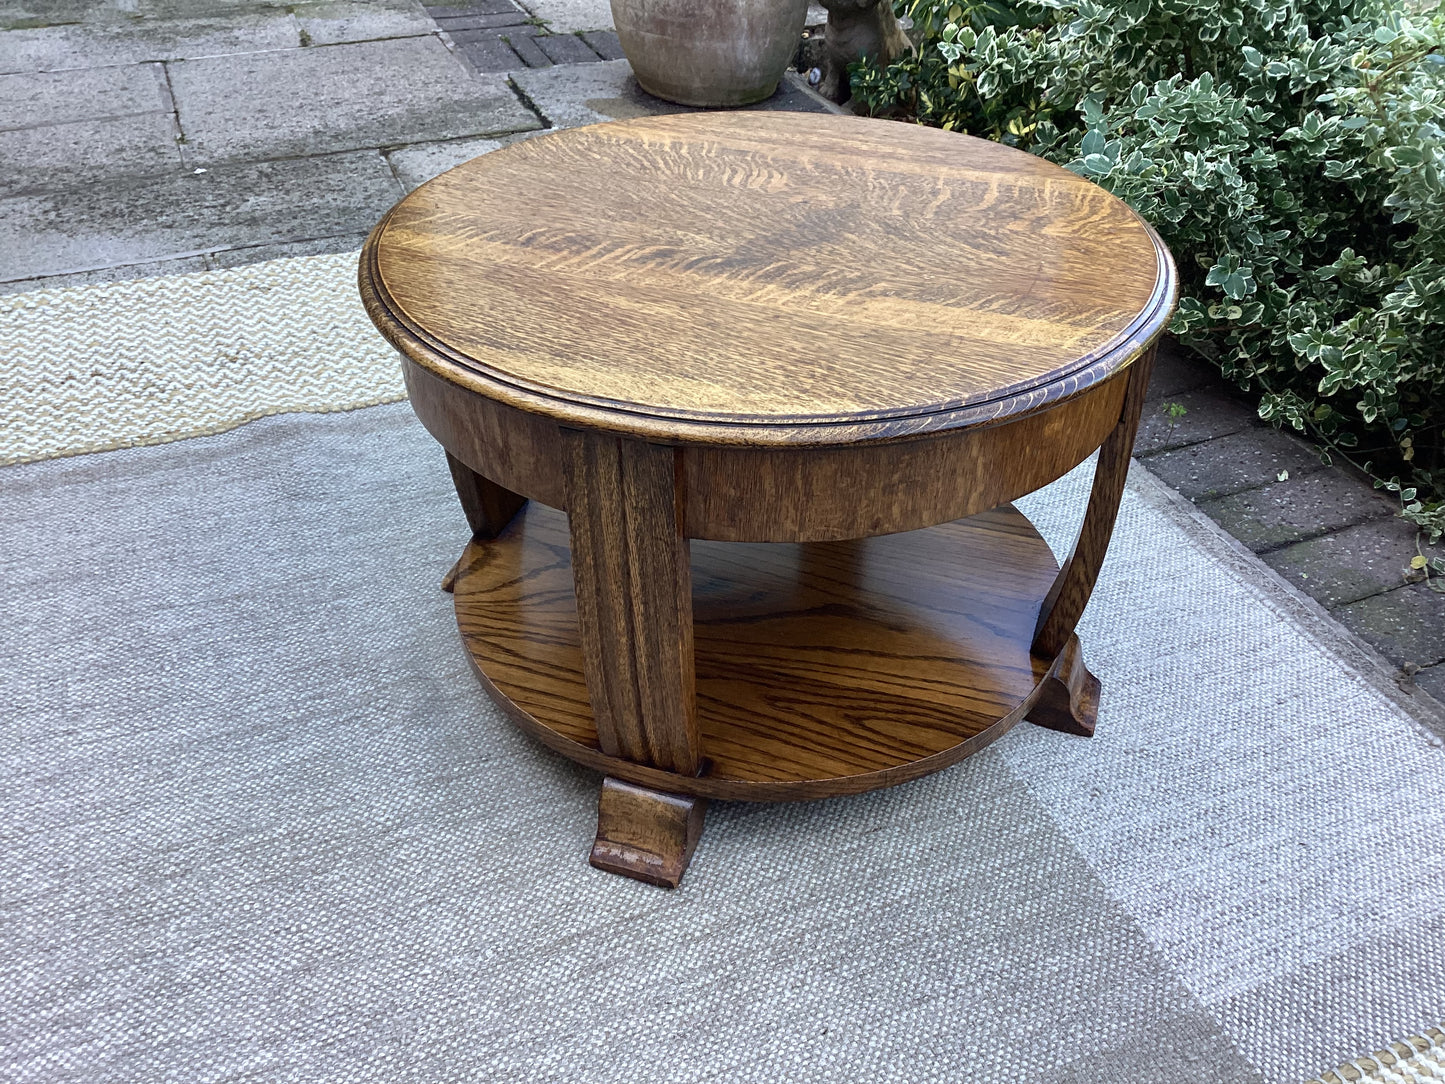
(260, 822)
(115, 365)
(1419, 1059)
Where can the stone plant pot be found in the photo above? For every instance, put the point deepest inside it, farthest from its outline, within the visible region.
(709, 52)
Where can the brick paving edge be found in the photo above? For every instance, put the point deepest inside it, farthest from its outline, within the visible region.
(1357, 655)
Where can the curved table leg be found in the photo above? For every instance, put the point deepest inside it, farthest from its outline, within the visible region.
(632, 572)
(487, 506)
(1070, 700)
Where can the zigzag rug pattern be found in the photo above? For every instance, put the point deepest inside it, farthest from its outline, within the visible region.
(119, 364)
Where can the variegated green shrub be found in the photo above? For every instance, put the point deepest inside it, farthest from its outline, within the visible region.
(1292, 154)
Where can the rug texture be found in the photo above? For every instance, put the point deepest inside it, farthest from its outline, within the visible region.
(89, 368)
(260, 823)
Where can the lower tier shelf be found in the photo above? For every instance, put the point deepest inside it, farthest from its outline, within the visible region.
(822, 668)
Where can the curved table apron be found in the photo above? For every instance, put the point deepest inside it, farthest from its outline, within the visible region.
(788, 600)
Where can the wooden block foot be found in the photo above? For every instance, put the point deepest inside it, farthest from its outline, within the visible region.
(1070, 698)
(645, 834)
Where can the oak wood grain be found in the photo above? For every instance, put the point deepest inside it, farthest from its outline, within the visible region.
(645, 834)
(487, 506)
(1068, 695)
(633, 598)
(822, 668)
(767, 279)
(1070, 593)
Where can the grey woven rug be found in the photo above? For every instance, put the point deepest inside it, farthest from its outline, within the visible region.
(259, 823)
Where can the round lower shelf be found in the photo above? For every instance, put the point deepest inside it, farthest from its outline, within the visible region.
(822, 668)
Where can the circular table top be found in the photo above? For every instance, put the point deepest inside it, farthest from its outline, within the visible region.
(768, 278)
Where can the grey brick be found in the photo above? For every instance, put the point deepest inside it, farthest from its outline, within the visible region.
(337, 97)
(114, 224)
(1234, 463)
(491, 55)
(605, 44)
(1208, 413)
(1432, 680)
(62, 156)
(1350, 564)
(523, 43)
(1298, 509)
(1407, 625)
(566, 49)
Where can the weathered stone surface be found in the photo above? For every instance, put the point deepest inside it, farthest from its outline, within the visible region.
(522, 41)
(1208, 413)
(1407, 625)
(490, 55)
(1177, 369)
(1234, 463)
(133, 41)
(1351, 564)
(605, 44)
(337, 97)
(62, 156)
(332, 22)
(108, 274)
(1298, 509)
(33, 99)
(414, 165)
(566, 16)
(120, 223)
(566, 49)
(239, 257)
(1433, 681)
(576, 94)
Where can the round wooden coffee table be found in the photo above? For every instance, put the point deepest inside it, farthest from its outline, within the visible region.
(769, 381)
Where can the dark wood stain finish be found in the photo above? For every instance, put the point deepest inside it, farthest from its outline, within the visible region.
(684, 337)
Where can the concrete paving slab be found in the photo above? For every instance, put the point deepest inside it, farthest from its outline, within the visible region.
(96, 44)
(62, 156)
(576, 94)
(333, 22)
(1407, 625)
(319, 246)
(337, 97)
(119, 223)
(566, 16)
(1234, 463)
(1207, 413)
(416, 165)
(1298, 509)
(34, 99)
(1351, 564)
(107, 274)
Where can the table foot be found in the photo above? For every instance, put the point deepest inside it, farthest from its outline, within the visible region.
(645, 834)
(1069, 697)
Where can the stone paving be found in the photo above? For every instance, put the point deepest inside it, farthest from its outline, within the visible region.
(142, 137)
